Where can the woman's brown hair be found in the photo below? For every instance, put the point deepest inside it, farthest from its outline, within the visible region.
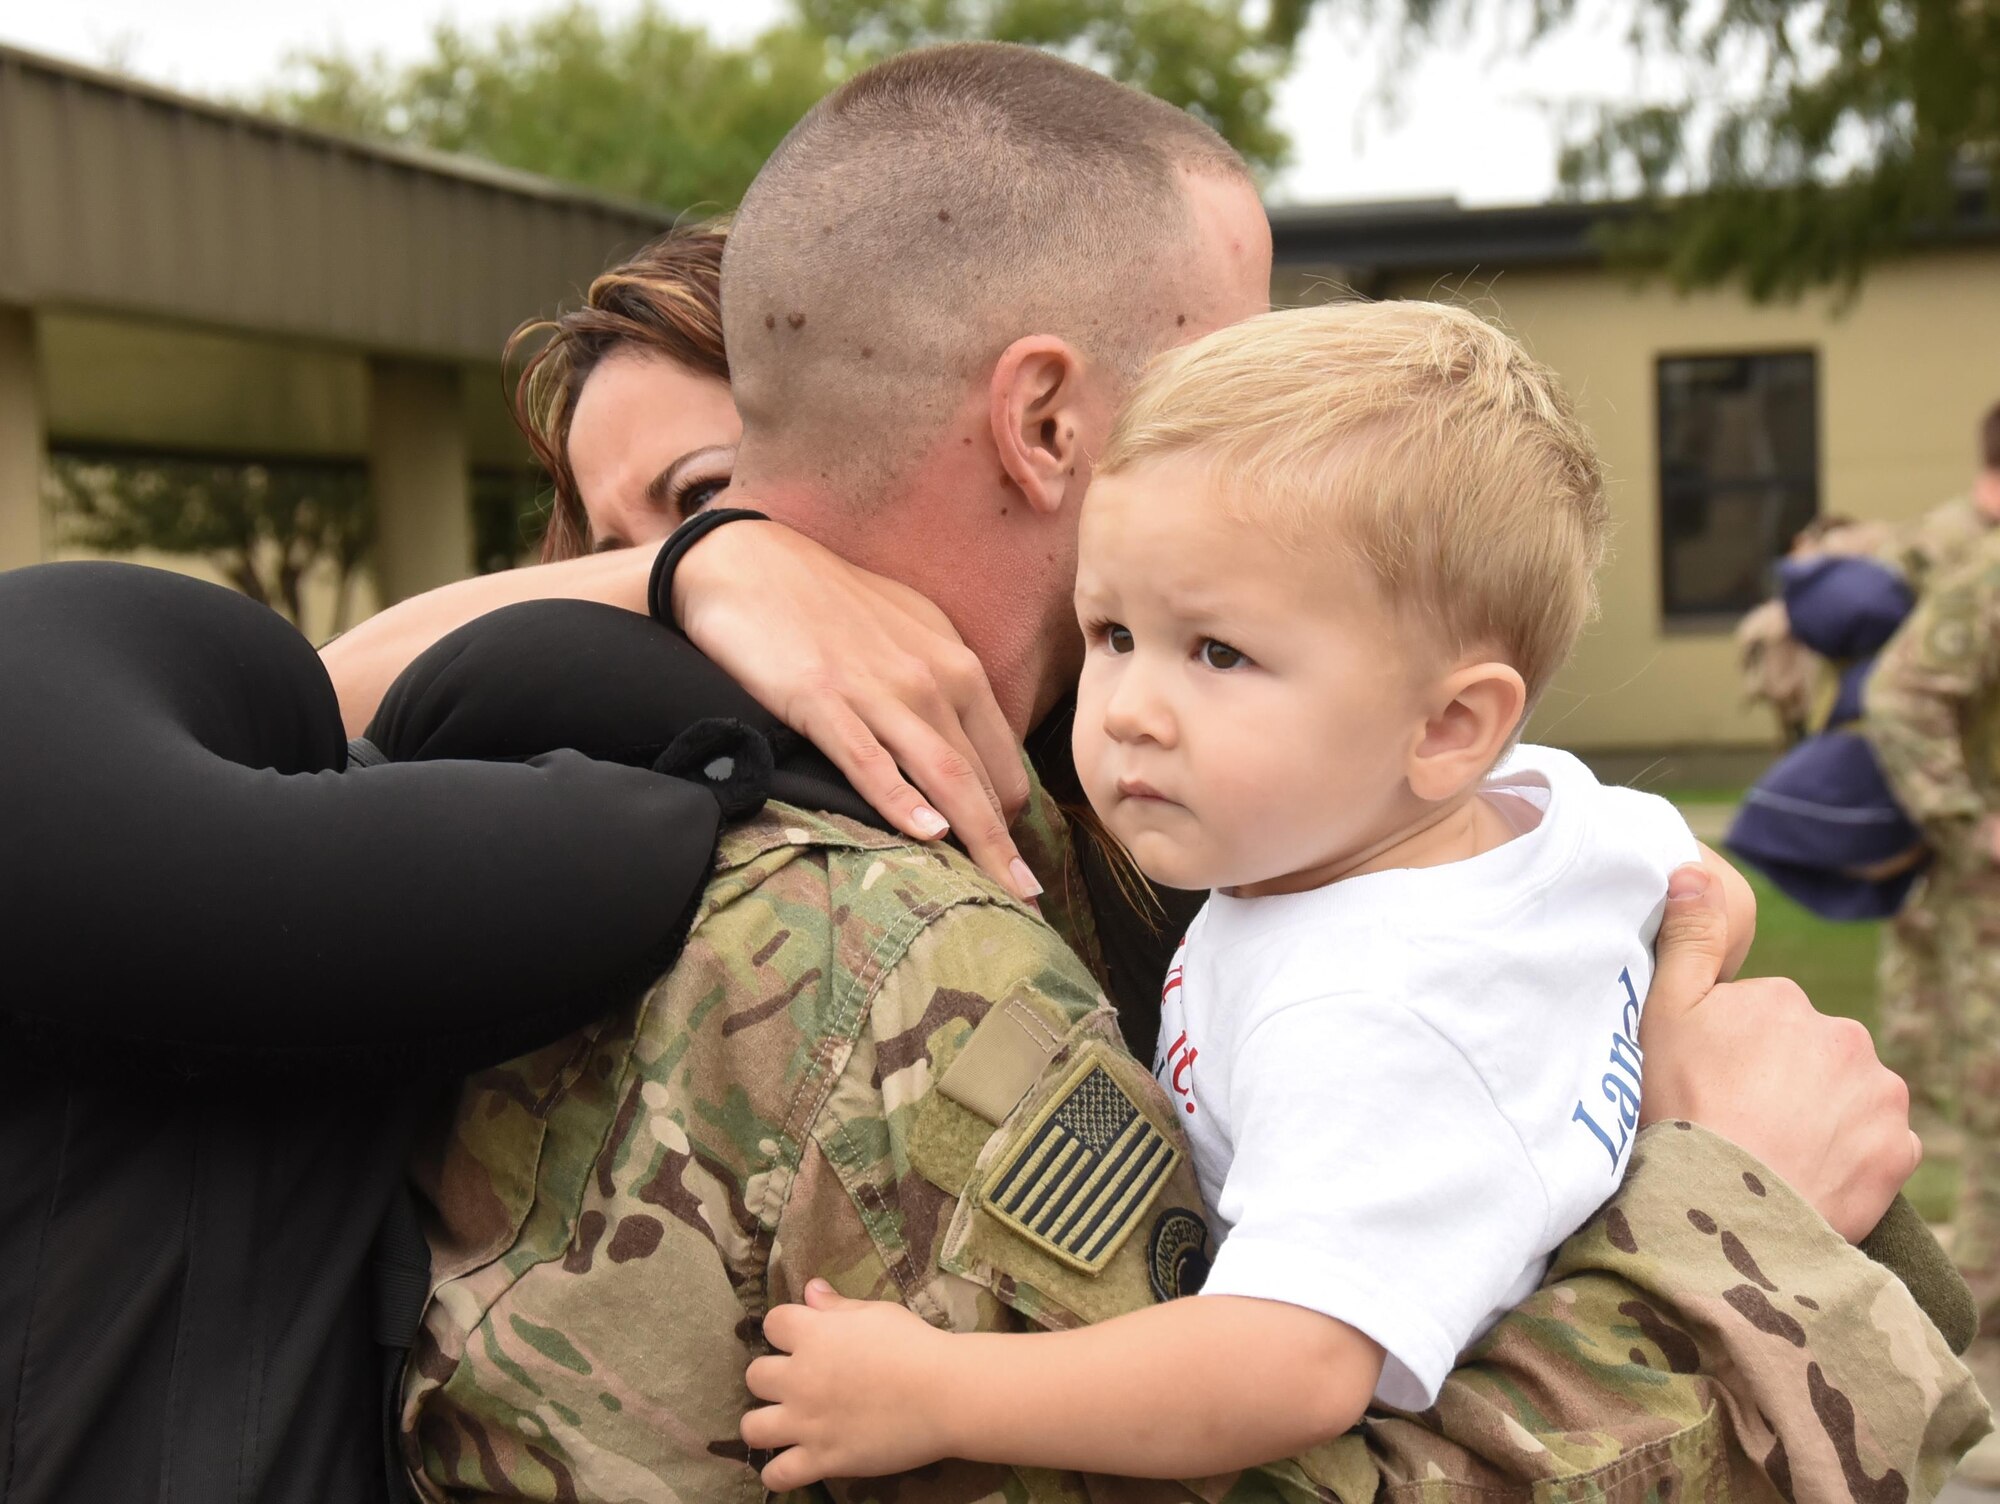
(666, 300)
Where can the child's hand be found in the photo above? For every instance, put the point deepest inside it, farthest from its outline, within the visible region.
(853, 1388)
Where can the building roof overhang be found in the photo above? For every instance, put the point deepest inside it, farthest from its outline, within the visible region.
(119, 197)
(1433, 235)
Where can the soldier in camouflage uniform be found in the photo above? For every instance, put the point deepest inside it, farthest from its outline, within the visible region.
(1934, 721)
(864, 1032)
(1915, 1030)
(1800, 687)
(1943, 536)
(861, 1034)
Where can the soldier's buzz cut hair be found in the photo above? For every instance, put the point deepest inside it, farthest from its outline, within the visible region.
(928, 213)
(1989, 437)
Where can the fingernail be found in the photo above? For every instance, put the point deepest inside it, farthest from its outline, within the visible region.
(1688, 882)
(819, 1287)
(930, 824)
(1024, 880)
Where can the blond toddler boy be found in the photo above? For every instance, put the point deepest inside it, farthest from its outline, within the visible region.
(1329, 560)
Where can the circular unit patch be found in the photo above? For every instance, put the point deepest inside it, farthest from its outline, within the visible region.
(1177, 1261)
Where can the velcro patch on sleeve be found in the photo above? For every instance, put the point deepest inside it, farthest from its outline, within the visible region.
(1079, 1177)
(1002, 1061)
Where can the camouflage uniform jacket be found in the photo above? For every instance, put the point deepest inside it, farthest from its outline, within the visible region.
(1933, 701)
(1937, 541)
(866, 1053)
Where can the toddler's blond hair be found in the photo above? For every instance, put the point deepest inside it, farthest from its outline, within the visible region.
(1413, 437)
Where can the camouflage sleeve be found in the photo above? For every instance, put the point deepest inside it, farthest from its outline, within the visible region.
(1939, 659)
(878, 1192)
(1013, 1169)
(1705, 1336)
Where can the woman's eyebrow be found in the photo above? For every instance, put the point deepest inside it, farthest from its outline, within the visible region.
(661, 488)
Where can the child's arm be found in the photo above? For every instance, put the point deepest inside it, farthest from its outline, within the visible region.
(864, 1388)
(1741, 905)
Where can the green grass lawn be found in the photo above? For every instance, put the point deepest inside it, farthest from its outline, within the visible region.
(1835, 963)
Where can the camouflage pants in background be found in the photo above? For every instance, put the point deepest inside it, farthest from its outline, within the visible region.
(1968, 907)
(1916, 1034)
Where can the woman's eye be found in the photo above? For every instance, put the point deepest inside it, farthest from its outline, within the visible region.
(1117, 638)
(699, 493)
(1220, 655)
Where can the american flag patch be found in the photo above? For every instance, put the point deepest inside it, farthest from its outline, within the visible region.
(1084, 1171)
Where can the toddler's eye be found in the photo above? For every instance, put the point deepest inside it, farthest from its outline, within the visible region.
(1221, 655)
(1117, 638)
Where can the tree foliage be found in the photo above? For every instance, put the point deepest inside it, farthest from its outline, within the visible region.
(1799, 142)
(646, 108)
(653, 108)
(1207, 56)
(1804, 140)
(265, 527)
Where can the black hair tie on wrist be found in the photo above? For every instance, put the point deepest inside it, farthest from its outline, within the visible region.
(660, 590)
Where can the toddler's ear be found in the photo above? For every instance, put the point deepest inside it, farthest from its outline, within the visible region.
(1476, 710)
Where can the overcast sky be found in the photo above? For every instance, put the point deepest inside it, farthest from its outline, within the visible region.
(1470, 122)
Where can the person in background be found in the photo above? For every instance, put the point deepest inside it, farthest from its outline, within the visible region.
(1778, 670)
(1916, 1030)
(1811, 695)
(1933, 718)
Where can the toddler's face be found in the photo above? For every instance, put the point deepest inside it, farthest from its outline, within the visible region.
(1246, 714)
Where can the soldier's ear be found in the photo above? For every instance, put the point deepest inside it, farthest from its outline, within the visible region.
(1473, 714)
(1039, 409)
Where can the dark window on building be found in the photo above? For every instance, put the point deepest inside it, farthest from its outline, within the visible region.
(266, 523)
(1739, 475)
(510, 507)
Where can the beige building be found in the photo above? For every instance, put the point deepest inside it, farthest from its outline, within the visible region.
(1724, 425)
(183, 280)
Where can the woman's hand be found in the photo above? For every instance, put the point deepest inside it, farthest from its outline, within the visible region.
(872, 674)
(1754, 1062)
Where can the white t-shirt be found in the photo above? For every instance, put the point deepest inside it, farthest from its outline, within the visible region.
(1404, 1089)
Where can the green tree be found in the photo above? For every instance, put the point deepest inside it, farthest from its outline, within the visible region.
(265, 527)
(1807, 138)
(1207, 56)
(653, 108)
(645, 108)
